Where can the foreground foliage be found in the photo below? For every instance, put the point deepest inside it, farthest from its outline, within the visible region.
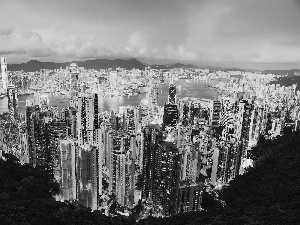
(26, 198)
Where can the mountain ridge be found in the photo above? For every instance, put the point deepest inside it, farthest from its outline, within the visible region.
(97, 64)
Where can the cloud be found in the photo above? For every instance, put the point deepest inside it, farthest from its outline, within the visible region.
(22, 42)
(258, 31)
(6, 31)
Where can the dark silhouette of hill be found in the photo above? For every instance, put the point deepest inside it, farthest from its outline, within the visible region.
(289, 73)
(97, 64)
(269, 193)
(173, 66)
(293, 77)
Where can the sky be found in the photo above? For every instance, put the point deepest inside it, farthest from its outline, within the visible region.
(231, 33)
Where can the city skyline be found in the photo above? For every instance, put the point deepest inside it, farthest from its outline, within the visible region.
(244, 34)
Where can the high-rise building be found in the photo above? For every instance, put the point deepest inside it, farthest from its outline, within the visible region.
(74, 75)
(12, 99)
(4, 73)
(170, 116)
(87, 118)
(68, 184)
(161, 169)
(170, 177)
(87, 169)
(190, 197)
(152, 157)
(215, 113)
(172, 94)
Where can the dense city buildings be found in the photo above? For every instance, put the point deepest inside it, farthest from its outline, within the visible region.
(161, 156)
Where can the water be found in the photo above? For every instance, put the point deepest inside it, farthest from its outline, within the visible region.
(193, 89)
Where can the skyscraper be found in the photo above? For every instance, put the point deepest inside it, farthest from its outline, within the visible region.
(170, 115)
(68, 187)
(87, 118)
(4, 72)
(74, 74)
(172, 92)
(12, 101)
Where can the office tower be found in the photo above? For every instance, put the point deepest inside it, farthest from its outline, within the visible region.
(23, 146)
(144, 113)
(30, 111)
(68, 186)
(4, 73)
(152, 97)
(74, 84)
(152, 162)
(170, 116)
(131, 171)
(172, 93)
(118, 149)
(69, 115)
(161, 169)
(170, 176)
(57, 131)
(243, 133)
(215, 113)
(87, 118)
(87, 170)
(12, 99)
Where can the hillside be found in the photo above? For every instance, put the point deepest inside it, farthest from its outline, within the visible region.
(26, 198)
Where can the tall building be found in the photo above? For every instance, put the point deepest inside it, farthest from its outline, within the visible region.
(87, 171)
(189, 197)
(74, 75)
(87, 118)
(12, 99)
(172, 93)
(170, 177)
(152, 157)
(4, 73)
(161, 169)
(215, 113)
(68, 184)
(170, 116)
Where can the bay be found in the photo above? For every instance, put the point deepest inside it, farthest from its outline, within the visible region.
(190, 89)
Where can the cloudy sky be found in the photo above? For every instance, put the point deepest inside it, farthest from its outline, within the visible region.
(243, 33)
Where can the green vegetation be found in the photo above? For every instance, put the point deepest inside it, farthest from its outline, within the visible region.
(26, 198)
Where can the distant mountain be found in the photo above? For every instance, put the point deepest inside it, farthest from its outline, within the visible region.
(289, 73)
(172, 66)
(97, 64)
